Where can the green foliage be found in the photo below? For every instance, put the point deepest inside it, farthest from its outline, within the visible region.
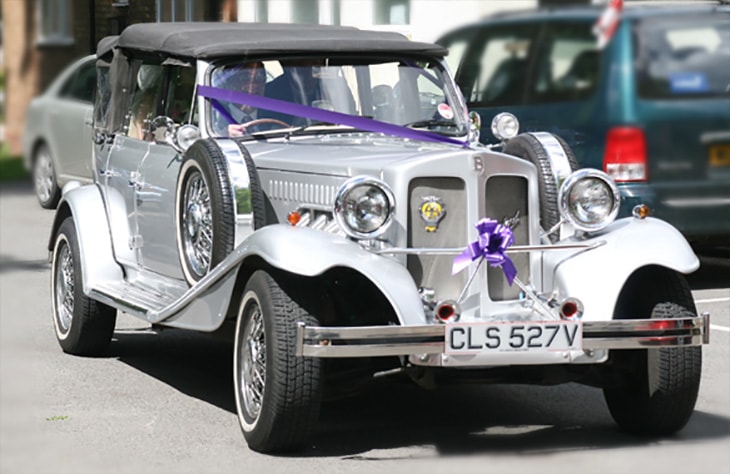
(57, 418)
(243, 201)
(11, 167)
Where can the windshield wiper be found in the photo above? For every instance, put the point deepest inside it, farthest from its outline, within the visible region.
(431, 123)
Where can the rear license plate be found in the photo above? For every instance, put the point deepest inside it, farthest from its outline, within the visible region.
(546, 336)
(720, 155)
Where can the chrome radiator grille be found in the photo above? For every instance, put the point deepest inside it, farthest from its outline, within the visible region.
(506, 197)
(502, 197)
(434, 271)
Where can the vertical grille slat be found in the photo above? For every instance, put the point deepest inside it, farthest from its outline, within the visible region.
(503, 197)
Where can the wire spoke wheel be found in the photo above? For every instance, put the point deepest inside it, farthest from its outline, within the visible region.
(253, 363)
(64, 286)
(197, 224)
(278, 393)
(83, 325)
(205, 210)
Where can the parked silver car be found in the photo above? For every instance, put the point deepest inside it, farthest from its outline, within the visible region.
(337, 217)
(57, 137)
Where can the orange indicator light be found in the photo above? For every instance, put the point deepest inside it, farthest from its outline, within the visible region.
(294, 217)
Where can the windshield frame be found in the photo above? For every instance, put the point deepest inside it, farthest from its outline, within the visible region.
(426, 70)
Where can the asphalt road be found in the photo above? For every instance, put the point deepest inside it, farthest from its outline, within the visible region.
(163, 403)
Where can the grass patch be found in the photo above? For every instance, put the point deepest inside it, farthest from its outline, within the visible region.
(11, 167)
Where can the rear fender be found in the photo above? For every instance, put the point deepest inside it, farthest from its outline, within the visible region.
(597, 276)
(85, 206)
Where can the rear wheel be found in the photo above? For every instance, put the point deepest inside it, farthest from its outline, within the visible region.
(528, 147)
(277, 393)
(44, 178)
(656, 389)
(83, 326)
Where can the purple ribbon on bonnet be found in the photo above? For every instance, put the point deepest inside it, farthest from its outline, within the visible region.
(492, 243)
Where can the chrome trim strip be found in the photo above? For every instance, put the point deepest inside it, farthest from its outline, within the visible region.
(371, 341)
(559, 162)
(513, 249)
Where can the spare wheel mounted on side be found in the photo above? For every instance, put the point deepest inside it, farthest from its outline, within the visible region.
(547, 152)
(205, 210)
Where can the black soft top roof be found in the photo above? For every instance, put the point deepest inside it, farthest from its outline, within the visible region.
(210, 40)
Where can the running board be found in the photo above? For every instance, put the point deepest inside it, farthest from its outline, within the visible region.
(138, 300)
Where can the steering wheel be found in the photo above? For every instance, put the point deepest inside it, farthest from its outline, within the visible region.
(260, 121)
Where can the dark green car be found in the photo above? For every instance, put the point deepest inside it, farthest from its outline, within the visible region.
(651, 108)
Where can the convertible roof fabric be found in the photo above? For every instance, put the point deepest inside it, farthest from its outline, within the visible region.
(209, 40)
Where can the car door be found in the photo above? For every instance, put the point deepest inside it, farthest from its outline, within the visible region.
(121, 179)
(70, 124)
(156, 179)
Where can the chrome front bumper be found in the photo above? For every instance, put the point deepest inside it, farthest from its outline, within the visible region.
(374, 341)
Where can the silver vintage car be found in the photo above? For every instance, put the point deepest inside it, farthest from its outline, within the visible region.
(322, 193)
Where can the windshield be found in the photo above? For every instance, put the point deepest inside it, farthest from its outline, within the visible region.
(407, 92)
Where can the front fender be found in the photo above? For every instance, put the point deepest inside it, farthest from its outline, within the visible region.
(84, 204)
(597, 276)
(309, 252)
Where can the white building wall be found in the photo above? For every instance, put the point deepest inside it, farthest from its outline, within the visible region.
(429, 19)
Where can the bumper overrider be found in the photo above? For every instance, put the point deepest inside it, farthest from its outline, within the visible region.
(374, 341)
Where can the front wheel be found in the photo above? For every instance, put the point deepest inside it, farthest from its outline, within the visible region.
(83, 326)
(278, 394)
(657, 389)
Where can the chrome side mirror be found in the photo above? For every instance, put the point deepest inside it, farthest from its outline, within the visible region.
(165, 131)
(162, 129)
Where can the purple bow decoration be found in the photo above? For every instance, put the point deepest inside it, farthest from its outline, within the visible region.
(494, 239)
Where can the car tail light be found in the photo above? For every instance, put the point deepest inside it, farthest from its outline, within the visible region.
(625, 156)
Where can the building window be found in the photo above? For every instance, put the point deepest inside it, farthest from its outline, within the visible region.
(392, 12)
(180, 10)
(54, 26)
(305, 11)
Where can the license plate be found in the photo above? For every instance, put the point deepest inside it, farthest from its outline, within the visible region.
(546, 336)
(720, 155)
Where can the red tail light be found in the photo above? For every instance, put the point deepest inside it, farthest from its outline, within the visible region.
(625, 156)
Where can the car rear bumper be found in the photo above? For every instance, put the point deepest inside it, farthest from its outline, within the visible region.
(375, 341)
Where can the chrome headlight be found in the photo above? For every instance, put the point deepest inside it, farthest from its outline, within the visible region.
(589, 199)
(364, 207)
(505, 126)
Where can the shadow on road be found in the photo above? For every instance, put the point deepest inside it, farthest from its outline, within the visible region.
(10, 264)
(394, 413)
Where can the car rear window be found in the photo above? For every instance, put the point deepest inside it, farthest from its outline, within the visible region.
(684, 57)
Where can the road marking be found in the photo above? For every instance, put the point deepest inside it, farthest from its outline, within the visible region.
(712, 300)
(715, 327)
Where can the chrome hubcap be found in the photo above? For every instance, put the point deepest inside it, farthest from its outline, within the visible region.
(253, 363)
(64, 288)
(198, 224)
(43, 176)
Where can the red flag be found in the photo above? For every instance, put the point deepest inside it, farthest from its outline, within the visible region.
(607, 23)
